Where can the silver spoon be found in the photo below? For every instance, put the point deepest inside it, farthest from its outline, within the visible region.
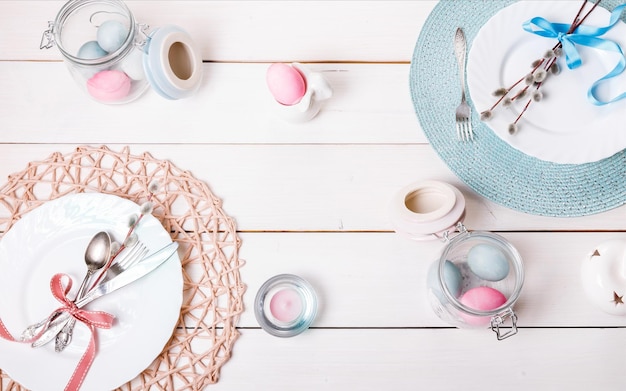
(96, 256)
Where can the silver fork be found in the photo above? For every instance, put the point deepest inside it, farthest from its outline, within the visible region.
(464, 130)
(134, 255)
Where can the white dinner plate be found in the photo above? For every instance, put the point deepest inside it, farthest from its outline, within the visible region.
(565, 127)
(52, 239)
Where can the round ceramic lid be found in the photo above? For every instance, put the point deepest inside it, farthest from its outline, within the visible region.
(425, 210)
(172, 63)
(604, 276)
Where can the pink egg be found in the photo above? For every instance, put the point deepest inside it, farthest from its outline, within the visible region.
(286, 84)
(109, 86)
(482, 298)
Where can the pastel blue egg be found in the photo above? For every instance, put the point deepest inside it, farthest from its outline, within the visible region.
(91, 50)
(488, 262)
(111, 35)
(451, 277)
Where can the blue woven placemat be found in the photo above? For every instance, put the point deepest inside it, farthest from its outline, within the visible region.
(488, 165)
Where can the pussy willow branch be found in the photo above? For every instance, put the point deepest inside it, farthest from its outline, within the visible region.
(126, 242)
(547, 62)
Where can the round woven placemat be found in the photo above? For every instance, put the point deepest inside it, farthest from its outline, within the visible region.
(488, 165)
(209, 249)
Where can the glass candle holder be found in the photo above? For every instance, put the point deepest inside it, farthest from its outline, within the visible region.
(285, 305)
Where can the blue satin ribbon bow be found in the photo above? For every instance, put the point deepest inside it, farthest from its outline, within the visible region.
(586, 36)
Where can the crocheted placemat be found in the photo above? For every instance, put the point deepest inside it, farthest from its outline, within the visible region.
(489, 165)
(208, 243)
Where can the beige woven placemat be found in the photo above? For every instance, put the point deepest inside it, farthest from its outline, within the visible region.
(213, 291)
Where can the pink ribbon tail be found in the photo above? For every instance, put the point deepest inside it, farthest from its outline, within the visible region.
(4, 333)
(91, 319)
(60, 285)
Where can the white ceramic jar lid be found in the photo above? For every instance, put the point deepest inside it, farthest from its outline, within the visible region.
(427, 209)
(172, 63)
(603, 274)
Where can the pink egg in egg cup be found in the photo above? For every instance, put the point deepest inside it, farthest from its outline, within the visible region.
(286, 84)
(297, 93)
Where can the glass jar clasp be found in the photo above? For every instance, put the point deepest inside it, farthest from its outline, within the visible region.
(499, 320)
(460, 228)
(47, 38)
(142, 37)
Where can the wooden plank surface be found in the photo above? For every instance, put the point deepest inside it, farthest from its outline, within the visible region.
(313, 199)
(327, 187)
(440, 359)
(388, 287)
(370, 104)
(249, 31)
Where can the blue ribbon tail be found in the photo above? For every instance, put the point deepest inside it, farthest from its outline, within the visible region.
(586, 36)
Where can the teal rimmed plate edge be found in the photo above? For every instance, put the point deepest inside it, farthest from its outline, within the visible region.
(490, 166)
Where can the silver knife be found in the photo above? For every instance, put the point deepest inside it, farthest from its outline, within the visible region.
(143, 267)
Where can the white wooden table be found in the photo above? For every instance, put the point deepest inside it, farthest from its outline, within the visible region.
(312, 199)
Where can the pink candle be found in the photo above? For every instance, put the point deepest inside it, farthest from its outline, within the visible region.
(286, 305)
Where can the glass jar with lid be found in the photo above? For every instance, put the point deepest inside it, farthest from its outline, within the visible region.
(478, 276)
(476, 282)
(115, 60)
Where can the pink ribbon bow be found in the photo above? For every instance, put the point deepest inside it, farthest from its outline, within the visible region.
(60, 285)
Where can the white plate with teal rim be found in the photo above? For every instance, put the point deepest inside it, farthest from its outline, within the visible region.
(490, 166)
(52, 239)
(564, 127)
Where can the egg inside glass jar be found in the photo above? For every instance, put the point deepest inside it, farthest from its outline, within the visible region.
(109, 86)
(90, 51)
(451, 277)
(482, 298)
(111, 35)
(488, 262)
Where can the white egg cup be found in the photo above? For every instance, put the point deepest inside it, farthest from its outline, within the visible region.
(317, 91)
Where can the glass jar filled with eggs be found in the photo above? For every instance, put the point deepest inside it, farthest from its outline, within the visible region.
(115, 60)
(478, 276)
(476, 281)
